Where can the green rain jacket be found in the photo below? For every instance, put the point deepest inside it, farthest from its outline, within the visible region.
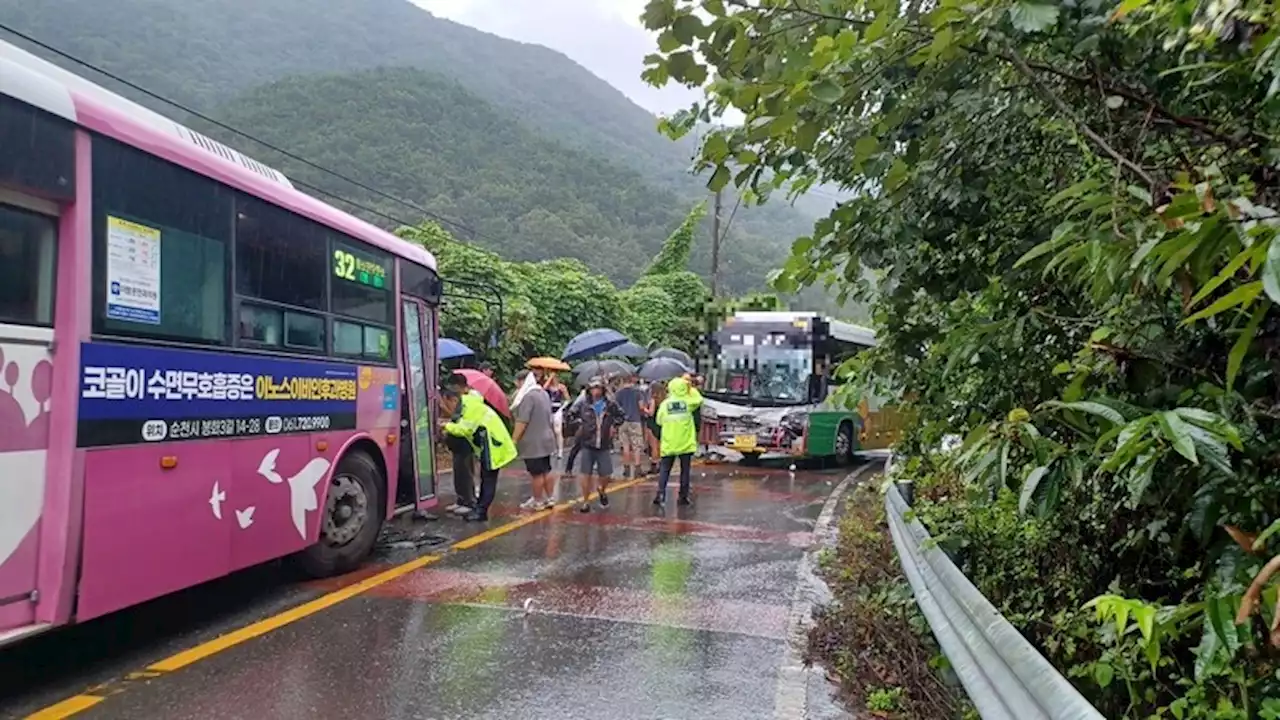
(675, 417)
(484, 428)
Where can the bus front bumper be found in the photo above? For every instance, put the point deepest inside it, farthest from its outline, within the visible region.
(773, 443)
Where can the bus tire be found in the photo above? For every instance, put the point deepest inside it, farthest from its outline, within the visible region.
(352, 519)
(844, 444)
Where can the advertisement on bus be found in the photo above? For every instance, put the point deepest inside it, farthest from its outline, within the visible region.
(146, 394)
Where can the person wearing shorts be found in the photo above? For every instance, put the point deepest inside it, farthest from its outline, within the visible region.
(631, 434)
(535, 442)
(600, 416)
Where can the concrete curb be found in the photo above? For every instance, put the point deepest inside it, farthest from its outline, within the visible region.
(791, 700)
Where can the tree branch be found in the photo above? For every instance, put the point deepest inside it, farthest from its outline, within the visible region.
(1197, 124)
(1097, 139)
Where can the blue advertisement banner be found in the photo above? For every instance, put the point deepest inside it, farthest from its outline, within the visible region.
(138, 393)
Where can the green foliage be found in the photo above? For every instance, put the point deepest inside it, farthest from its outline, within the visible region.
(650, 313)
(674, 255)
(546, 303)
(1068, 210)
(884, 699)
(872, 638)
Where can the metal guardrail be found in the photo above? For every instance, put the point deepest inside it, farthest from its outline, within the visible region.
(1002, 673)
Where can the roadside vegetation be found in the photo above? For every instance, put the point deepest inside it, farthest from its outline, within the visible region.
(546, 303)
(1070, 209)
(872, 637)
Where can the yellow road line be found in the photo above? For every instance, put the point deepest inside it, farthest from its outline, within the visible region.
(79, 703)
(262, 627)
(67, 708)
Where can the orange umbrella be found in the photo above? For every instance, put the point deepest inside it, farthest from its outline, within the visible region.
(547, 363)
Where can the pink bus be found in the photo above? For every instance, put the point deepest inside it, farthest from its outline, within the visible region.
(203, 368)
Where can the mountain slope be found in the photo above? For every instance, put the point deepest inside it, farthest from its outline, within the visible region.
(428, 140)
(203, 52)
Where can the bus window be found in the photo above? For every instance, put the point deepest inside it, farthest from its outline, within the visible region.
(26, 267)
(361, 286)
(161, 240)
(280, 257)
(39, 151)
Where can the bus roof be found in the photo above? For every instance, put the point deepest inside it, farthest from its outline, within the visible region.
(840, 330)
(42, 84)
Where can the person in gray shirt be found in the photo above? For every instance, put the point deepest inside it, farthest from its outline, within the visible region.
(535, 440)
(631, 435)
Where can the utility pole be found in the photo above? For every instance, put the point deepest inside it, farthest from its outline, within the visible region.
(715, 248)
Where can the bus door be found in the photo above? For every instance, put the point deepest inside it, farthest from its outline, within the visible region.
(28, 245)
(420, 372)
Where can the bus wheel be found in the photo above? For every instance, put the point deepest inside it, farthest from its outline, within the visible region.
(352, 518)
(844, 444)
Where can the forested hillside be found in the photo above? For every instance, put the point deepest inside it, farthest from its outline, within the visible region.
(426, 139)
(216, 55)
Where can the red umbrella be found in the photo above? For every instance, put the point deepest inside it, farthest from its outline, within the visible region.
(486, 386)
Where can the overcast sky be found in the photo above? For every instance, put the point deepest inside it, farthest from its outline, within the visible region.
(605, 36)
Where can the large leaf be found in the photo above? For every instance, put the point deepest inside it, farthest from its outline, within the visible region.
(1061, 235)
(1178, 433)
(1029, 488)
(1271, 271)
(1220, 614)
(1091, 408)
(1242, 295)
(1227, 273)
(1033, 17)
(1240, 347)
(827, 91)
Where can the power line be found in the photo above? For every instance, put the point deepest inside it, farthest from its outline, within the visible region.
(468, 231)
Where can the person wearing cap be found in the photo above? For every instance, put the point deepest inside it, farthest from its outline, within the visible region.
(599, 416)
(487, 432)
(464, 456)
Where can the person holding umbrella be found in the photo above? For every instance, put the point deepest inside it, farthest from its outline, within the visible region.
(600, 416)
(485, 429)
(679, 438)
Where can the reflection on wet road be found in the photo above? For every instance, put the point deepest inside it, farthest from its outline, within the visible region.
(625, 612)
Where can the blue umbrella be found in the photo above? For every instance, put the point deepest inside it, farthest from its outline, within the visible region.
(628, 349)
(450, 349)
(592, 342)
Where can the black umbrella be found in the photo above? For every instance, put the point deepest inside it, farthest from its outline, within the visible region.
(674, 354)
(663, 368)
(602, 368)
(628, 349)
(592, 342)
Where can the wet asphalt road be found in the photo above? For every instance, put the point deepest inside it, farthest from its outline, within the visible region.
(624, 612)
